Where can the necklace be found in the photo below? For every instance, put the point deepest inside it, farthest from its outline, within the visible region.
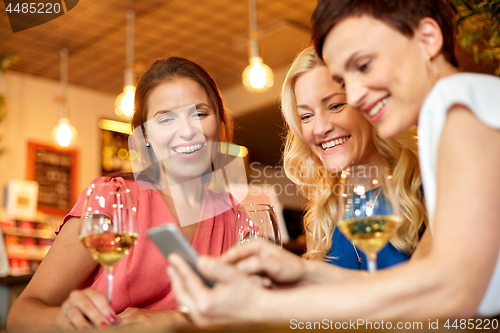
(373, 205)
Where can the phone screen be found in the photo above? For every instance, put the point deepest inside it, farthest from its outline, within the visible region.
(168, 240)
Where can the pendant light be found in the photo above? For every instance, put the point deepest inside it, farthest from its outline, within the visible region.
(64, 134)
(257, 76)
(124, 103)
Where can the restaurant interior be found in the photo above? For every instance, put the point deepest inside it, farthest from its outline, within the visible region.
(71, 70)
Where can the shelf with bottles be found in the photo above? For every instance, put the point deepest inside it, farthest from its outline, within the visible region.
(39, 227)
(26, 242)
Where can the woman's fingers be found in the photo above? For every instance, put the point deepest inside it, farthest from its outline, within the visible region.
(76, 317)
(87, 308)
(129, 316)
(102, 305)
(261, 281)
(226, 302)
(215, 269)
(248, 249)
(263, 258)
(192, 294)
(254, 265)
(136, 317)
(180, 276)
(190, 278)
(63, 322)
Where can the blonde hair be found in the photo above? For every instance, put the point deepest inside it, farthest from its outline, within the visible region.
(306, 170)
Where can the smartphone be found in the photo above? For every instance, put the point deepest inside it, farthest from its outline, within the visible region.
(168, 239)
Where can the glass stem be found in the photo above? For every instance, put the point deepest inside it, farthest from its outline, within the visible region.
(110, 283)
(372, 263)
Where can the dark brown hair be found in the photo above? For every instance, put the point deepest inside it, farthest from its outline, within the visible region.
(402, 15)
(164, 70)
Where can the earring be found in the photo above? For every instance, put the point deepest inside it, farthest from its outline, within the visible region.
(148, 144)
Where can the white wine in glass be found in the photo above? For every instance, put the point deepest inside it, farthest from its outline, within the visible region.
(255, 221)
(368, 212)
(108, 225)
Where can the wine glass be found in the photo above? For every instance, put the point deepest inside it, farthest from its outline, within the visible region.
(108, 225)
(257, 221)
(368, 212)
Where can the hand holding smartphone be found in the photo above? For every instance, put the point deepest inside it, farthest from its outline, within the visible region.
(168, 239)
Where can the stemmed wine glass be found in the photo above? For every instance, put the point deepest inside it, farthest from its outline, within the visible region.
(108, 225)
(257, 221)
(368, 213)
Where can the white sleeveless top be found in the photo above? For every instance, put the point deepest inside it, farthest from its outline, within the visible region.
(481, 94)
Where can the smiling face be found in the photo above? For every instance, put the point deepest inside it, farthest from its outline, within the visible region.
(384, 72)
(181, 123)
(335, 132)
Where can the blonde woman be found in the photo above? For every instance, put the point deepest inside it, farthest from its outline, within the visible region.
(326, 136)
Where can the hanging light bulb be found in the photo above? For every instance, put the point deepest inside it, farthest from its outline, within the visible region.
(124, 103)
(257, 76)
(64, 134)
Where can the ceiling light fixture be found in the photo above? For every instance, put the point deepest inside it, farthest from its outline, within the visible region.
(64, 133)
(257, 76)
(124, 103)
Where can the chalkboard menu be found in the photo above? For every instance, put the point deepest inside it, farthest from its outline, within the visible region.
(55, 171)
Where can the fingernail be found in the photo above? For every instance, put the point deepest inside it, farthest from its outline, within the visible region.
(104, 324)
(111, 318)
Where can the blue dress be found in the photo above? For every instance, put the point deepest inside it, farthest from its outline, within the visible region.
(344, 252)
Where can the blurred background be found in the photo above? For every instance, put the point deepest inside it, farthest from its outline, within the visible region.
(107, 49)
(214, 34)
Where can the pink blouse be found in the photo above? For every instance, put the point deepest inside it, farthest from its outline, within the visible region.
(140, 278)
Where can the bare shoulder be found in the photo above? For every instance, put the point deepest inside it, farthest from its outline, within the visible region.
(464, 131)
(468, 160)
(459, 114)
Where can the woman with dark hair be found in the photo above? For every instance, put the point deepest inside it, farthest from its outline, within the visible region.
(396, 61)
(179, 121)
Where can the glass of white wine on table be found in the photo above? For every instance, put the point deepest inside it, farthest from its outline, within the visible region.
(108, 225)
(368, 210)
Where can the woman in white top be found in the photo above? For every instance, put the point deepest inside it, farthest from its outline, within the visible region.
(396, 61)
